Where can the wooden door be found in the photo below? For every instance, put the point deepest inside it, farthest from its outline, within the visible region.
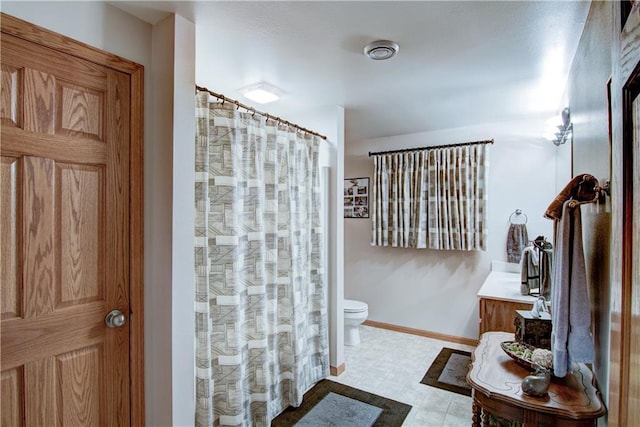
(624, 369)
(66, 224)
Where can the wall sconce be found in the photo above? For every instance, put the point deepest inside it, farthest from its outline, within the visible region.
(565, 129)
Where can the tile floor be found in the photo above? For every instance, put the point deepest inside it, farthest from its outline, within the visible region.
(391, 364)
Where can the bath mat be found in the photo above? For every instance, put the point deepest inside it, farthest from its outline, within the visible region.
(329, 403)
(449, 371)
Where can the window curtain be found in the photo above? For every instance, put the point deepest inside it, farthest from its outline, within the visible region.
(261, 316)
(431, 198)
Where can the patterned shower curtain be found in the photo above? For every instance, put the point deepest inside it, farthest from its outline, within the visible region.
(261, 315)
(433, 198)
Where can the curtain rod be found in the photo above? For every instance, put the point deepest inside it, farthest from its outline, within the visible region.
(433, 147)
(260, 113)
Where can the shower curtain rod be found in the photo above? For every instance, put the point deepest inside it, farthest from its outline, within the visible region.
(433, 147)
(260, 113)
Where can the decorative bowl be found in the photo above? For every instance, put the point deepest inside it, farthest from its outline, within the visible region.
(520, 353)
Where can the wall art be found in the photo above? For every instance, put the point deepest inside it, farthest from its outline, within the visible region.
(356, 198)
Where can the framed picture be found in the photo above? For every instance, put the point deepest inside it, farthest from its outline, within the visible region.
(356, 198)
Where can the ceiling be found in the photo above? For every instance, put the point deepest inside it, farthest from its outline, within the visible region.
(459, 64)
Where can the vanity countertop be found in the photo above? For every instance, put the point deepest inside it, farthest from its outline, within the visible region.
(504, 286)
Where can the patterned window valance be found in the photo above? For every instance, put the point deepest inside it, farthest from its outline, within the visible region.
(433, 198)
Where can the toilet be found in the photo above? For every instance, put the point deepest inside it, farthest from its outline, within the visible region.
(355, 312)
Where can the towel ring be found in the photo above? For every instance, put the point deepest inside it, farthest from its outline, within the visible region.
(518, 212)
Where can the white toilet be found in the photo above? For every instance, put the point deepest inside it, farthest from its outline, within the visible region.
(355, 312)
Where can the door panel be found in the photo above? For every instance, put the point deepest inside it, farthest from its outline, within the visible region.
(80, 387)
(80, 217)
(65, 158)
(38, 100)
(81, 111)
(10, 102)
(40, 406)
(38, 228)
(10, 290)
(12, 402)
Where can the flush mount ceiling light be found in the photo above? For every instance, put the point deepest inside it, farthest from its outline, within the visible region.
(381, 49)
(262, 93)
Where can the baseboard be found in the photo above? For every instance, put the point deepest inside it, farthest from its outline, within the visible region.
(335, 371)
(422, 333)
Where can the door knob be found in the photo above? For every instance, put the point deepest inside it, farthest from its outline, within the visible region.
(115, 319)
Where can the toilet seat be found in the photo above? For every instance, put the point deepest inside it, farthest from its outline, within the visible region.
(352, 306)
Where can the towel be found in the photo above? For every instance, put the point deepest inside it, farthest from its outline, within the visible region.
(530, 271)
(546, 269)
(581, 188)
(571, 339)
(517, 239)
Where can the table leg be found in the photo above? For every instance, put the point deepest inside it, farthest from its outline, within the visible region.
(477, 412)
(485, 419)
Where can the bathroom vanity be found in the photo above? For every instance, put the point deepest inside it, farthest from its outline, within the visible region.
(499, 298)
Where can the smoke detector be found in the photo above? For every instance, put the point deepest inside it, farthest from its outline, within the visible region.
(381, 49)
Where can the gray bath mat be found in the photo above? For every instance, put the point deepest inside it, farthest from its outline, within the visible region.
(329, 403)
(336, 410)
(449, 371)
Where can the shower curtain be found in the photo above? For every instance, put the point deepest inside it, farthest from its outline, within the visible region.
(261, 316)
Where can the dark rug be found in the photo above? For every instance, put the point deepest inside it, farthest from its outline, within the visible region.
(329, 403)
(449, 371)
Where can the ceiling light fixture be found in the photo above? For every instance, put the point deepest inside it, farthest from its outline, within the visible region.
(262, 93)
(381, 49)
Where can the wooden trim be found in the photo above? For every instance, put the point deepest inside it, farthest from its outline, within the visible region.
(136, 224)
(33, 33)
(27, 31)
(624, 86)
(335, 371)
(627, 250)
(423, 333)
(630, 91)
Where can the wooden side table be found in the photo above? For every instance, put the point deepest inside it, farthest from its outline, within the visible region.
(495, 380)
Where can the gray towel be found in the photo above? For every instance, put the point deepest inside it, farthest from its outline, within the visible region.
(571, 338)
(529, 270)
(546, 273)
(517, 240)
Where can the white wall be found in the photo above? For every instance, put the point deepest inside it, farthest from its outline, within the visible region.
(94, 23)
(183, 285)
(586, 94)
(171, 292)
(436, 290)
(158, 222)
(168, 160)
